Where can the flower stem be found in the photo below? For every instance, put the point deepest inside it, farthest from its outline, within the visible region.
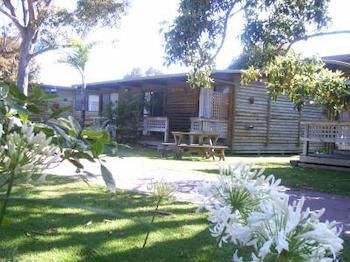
(218, 243)
(5, 201)
(153, 218)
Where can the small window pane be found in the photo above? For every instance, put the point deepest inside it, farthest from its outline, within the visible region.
(94, 103)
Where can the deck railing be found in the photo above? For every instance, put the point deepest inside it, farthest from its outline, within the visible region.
(218, 126)
(327, 132)
(156, 124)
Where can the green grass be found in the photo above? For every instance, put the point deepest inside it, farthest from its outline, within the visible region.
(56, 223)
(65, 220)
(334, 182)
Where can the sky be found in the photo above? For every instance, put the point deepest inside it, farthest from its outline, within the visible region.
(139, 43)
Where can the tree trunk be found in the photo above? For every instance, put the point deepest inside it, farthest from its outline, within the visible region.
(84, 100)
(24, 61)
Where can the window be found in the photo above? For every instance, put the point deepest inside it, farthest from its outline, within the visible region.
(114, 100)
(94, 103)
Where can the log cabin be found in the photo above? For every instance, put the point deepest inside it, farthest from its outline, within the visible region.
(245, 117)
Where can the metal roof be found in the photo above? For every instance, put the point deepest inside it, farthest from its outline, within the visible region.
(158, 79)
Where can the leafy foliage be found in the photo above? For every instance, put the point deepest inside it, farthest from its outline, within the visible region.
(271, 28)
(125, 118)
(304, 80)
(197, 34)
(47, 25)
(27, 148)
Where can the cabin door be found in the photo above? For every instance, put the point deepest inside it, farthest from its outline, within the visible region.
(154, 104)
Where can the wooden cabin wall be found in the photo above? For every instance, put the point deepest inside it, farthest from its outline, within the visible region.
(181, 104)
(262, 125)
(65, 97)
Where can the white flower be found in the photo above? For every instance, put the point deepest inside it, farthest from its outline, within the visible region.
(14, 121)
(265, 249)
(236, 258)
(1, 130)
(251, 210)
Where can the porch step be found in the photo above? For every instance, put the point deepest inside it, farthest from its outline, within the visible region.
(342, 152)
(319, 166)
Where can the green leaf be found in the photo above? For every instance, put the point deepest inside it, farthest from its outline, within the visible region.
(23, 116)
(92, 134)
(57, 113)
(48, 131)
(33, 108)
(15, 92)
(108, 179)
(37, 92)
(74, 125)
(5, 222)
(97, 148)
(76, 163)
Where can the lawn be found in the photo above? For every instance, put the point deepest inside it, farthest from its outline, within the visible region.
(68, 220)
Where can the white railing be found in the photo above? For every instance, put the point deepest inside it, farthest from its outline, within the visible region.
(156, 124)
(218, 126)
(328, 132)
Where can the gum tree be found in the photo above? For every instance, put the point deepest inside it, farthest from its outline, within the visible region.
(45, 25)
(271, 28)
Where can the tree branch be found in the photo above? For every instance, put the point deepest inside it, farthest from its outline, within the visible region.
(31, 11)
(48, 48)
(25, 14)
(13, 19)
(304, 38)
(10, 7)
(226, 19)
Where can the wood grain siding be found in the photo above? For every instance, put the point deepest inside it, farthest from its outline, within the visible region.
(181, 105)
(267, 127)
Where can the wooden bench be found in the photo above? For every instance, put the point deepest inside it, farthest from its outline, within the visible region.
(165, 148)
(207, 150)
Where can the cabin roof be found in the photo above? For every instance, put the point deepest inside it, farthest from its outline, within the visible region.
(155, 80)
(55, 88)
(338, 62)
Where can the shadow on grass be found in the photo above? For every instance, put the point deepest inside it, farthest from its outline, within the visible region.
(66, 219)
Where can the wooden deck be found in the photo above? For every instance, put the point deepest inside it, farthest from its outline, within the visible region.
(335, 137)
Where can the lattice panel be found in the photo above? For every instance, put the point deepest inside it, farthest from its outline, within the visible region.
(332, 133)
(219, 105)
(155, 123)
(343, 135)
(210, 126)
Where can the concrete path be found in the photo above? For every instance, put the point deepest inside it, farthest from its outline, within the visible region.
(136, 174)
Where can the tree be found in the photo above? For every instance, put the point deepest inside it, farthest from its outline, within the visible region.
(304, 81)
(43, 25)
(78, 57)
(134, 73)
(271, 29)
(9, 55)
(153, 72)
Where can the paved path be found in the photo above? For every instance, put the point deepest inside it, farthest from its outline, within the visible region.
(133, 174)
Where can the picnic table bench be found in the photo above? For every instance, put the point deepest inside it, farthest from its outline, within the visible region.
(209, 149)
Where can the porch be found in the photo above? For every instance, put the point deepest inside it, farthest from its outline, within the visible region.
(326, 145)
(153, 107)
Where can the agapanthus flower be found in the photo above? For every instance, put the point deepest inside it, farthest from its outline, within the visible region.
(252, 211)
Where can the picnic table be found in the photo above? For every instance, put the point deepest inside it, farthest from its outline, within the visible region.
(204, 143)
